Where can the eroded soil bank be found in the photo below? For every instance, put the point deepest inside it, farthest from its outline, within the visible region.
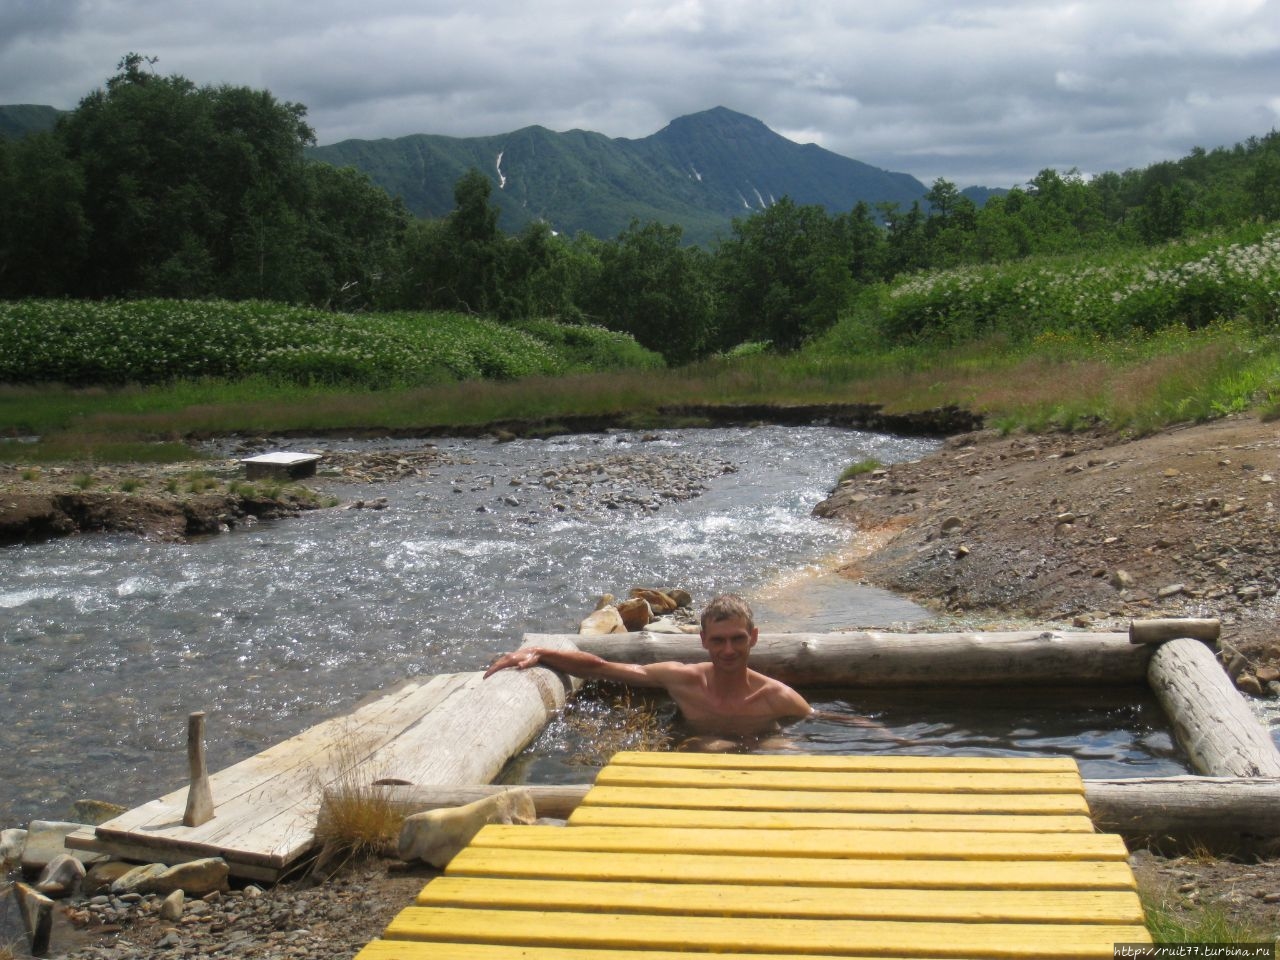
(1084, 529)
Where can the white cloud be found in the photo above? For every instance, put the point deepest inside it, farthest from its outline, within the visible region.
(979, 92)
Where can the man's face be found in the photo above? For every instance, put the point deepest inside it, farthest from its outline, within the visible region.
(729, 641)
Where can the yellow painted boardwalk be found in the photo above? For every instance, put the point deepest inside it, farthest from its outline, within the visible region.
(764, 857)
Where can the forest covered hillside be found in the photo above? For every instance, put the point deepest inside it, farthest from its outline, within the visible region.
(700, 171)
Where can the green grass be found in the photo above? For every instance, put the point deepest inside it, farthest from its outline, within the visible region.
(859, 468)
(1055, 384)
(1200, 923)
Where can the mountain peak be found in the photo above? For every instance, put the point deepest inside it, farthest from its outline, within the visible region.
(701, 170)
(716, 120)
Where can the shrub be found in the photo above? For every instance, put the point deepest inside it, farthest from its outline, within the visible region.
(859, 468)
(160, 341)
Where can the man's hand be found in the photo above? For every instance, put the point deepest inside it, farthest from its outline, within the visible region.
(521, 659)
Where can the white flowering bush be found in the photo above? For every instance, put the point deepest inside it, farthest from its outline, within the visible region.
(1190, 283)
(156, 341)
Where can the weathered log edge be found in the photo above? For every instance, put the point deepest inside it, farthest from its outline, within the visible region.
(1239, 814)
(875, 659)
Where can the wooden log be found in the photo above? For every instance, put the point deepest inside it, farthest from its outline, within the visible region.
(1240, 814)
(1158, 631)
(1226, 813)
(554, 801)
(37, 917)
(199, 795)
(872, 659)
(1210, 718)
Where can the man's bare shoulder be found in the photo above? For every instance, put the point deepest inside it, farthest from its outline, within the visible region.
(784, 699)
(676, 671)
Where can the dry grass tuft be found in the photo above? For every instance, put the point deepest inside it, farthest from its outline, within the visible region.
(612, 720)
(356, 821)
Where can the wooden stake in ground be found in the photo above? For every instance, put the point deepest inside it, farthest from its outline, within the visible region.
(199, 795)
(1158, 631)
(37, 916)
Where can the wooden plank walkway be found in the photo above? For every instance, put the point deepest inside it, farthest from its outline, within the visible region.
(265, 807)
(764, 857)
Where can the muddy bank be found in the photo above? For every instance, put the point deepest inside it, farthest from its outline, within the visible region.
(938, 422)
(1083, 529)
(31, 517)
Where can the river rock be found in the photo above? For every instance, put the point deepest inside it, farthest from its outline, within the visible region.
(46, 839)
(198, 878)
(171, 906)
(96, 811)
(12, 840)
(681, 597)
(635, 613)
(436, 836)
(658, 601)
(1267, 674)
(60, 876)
(1248, 683)
(37, 916)
(102, 875)
(668, 625)
(604, 620)
(137, 879)
(1121, 579)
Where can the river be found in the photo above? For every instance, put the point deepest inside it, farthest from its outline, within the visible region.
(108, 642)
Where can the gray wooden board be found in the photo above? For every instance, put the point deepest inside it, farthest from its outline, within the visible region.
(265, 807)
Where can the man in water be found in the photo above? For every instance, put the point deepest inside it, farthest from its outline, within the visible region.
(724, 695)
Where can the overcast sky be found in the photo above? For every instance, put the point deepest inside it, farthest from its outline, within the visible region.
(977, 91)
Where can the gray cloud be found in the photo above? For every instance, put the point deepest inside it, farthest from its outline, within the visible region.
(979, 92)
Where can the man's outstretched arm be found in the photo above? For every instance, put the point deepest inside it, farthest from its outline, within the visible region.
(579, 663)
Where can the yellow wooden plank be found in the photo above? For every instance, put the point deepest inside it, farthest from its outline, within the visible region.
(808, 820)
(880, 844)
(752, 934)
(909, 782)
(804, 761)
(972, 906)
(420, 950)
(796, 871)
(837, 801)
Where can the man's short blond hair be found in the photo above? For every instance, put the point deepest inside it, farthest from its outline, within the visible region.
(727, 606)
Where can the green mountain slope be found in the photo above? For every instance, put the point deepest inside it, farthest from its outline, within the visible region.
(699, 171)
(19, 119)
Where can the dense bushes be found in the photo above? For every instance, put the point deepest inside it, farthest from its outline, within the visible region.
(1119, 293)
(155, 341)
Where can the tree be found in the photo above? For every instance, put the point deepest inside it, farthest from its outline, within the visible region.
(44, 235)
(655, 289)
(476, 250)
(352, 233)
(782, 276)
(187, 190)
(863, 241)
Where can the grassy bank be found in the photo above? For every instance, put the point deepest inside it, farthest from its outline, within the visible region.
(1131, 340)
(1052, 383)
